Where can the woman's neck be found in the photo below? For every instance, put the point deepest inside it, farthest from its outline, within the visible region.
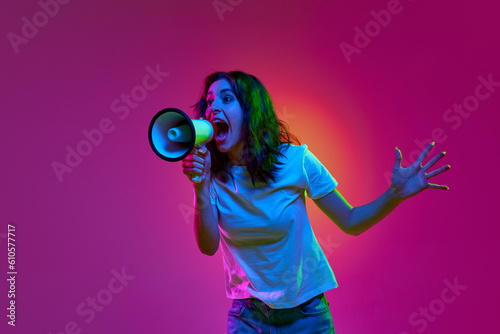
(236, 156)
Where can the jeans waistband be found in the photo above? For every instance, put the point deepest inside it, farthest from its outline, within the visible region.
(252, 302)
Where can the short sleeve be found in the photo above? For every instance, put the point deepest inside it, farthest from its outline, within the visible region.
(319, 181)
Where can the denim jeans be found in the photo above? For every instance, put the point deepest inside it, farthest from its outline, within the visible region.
(253, 316)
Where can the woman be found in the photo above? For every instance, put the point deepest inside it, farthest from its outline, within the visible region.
(251, 201)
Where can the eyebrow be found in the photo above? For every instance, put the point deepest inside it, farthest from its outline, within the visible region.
(222, 91)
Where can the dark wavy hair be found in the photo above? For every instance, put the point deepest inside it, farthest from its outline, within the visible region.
(263, 133)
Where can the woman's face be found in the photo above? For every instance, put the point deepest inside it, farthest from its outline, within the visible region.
(225, 114)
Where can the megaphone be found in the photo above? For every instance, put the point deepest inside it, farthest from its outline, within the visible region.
(173, 135)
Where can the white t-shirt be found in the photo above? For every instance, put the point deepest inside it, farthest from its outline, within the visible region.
(269, 249)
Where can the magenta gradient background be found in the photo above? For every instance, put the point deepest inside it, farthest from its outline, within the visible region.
(123, 207)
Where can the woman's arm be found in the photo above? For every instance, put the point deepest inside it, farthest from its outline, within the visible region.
(206, 226)
(356, 220)
(406, 182)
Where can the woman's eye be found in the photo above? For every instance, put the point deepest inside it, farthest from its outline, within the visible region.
(210, 101)
(228, 98)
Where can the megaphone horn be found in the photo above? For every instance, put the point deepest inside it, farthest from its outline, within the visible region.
(173, 135)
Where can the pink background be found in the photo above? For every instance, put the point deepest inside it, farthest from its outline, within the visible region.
(122, 208)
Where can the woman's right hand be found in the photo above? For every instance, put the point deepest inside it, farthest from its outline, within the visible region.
(197, 163)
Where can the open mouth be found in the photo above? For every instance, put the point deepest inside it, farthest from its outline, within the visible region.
(222, 130)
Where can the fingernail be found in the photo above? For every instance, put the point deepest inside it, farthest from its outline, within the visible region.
(433, 143)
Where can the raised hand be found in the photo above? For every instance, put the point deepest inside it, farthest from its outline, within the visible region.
(408, 182)
(197, 163)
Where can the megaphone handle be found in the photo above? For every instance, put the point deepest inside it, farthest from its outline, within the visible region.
(197, 178)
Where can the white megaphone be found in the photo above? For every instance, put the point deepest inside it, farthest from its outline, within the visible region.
(173, 135)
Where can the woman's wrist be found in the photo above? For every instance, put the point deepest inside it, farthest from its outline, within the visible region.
(394, 194)
(202, 192)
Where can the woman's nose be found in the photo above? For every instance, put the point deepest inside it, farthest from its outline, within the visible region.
(214, 109)
(215, 106)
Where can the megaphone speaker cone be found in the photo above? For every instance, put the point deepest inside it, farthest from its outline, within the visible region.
(173, 135)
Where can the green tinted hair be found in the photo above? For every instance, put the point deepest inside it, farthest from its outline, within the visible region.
(263, 133)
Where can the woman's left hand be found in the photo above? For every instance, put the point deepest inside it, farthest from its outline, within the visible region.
(407, 182)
